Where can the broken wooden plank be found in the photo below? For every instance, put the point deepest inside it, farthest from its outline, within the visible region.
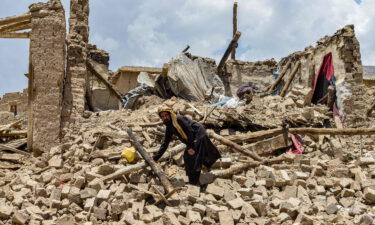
(136, 167)
(16, 26)
(15, 35)
(14, 19)
(9, 148)
(279, 78)
(14, 134)
(255, 136)
(155, 167)
(290, 79)
(333, 131)
(269, 145)
(233, 54)
(11, 157)
(97, 71)
(234, 145)
(220, 67)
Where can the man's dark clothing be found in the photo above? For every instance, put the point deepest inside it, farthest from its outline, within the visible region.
(205, 152)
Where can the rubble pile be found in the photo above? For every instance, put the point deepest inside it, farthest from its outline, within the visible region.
(86, 181)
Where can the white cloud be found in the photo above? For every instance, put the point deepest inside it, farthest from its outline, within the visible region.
(149, 32)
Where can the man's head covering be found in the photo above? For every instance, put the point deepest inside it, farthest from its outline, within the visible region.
(174, 120)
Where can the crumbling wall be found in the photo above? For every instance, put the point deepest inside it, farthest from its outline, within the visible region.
(76, 72)
(16, 98)
(47, 70)
(99, 97)
(259, 72)
(345, 50)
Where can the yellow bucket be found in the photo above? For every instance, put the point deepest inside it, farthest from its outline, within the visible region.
(129, 154)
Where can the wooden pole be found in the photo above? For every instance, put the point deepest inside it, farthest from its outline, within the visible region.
(15, 35)
(220, 67)
(233, 55)
(155, 167)
(255, 136)
(279, 78)
(136, 167)
(289, 81)
(16, 26)
(333, 131)
(330, 97)
(97, 71)
(235, 146)
(14, 19)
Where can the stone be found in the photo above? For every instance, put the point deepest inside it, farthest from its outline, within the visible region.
(289, 192)
(199, 208)
(215, 190)
(357, 209)
(170, 219)
(5, 209)
(304, 219)
(226, 218)
(366, 219)
(213, 211)
(100, 213)
(282, 217)
(20, 217)
(193, 216)
(249, 211)
(65, 191)
(236, 203)
(320, 190)
(183, 220)
(91, 202)
(332, 209)
(365, 161)
(193, 193)
(369, 195)
(79, 182)
(245, 192)
(103, 195)
(56, 161)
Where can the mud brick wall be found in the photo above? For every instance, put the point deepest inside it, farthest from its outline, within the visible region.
(47, 70)
(76, 75)
(259, 72)
(345, 50)
(16, 98)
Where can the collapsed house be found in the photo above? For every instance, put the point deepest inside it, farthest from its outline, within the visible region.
(284, 159)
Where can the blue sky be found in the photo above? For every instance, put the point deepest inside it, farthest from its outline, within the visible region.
(149, 32)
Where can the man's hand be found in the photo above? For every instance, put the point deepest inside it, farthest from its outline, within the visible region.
(191, 151)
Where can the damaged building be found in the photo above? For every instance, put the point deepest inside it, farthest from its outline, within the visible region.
(299, 150)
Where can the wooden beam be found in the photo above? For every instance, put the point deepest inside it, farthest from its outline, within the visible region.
(267, 146)
(14, 19)
(280, 77)
(9, 148)
(290, 79)
(235, 146)
(14, 134)
(333, 131)
(233, 55)
(168, 187)
(16, 26)
(255, 136)
(15, 35)
(220, 68)
(136, 167)
(97, 71)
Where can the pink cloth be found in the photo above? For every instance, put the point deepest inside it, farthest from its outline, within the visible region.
(297, 147)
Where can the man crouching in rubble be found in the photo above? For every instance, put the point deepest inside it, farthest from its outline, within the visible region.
(199, 149)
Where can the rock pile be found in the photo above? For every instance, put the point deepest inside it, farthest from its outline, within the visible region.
(85, 181)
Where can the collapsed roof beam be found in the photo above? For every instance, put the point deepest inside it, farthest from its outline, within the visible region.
(15, 35)
(15, 19)
(16, 26)
(96, 70)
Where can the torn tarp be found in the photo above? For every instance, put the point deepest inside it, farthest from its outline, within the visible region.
(192, 78)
